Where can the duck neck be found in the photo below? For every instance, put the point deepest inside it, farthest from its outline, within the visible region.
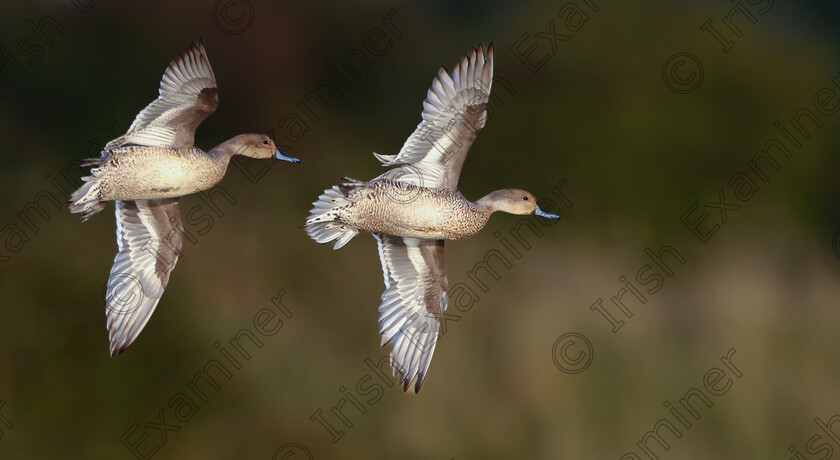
(227, 149)
(486, 205)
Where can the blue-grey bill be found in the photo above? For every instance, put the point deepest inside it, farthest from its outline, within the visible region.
(547, 215)
(282, 156)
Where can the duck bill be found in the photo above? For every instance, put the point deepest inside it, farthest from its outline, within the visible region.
(547, 215)
(282, 156)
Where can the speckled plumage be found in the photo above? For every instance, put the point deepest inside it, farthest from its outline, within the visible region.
(145, 171)
(413, 208)
(401, 209)
(127, 173)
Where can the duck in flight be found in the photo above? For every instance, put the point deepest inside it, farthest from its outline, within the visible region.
(413, 208)
(145, 171)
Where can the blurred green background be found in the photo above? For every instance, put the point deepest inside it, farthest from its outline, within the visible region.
(634, 154)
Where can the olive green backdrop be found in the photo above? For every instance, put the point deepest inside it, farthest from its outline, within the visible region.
(639, 123)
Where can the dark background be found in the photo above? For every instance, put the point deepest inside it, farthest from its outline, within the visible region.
(634, 148)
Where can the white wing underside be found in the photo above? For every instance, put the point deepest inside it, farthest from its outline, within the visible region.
(149, 239)
(188, 95)
(453, 113)
(413, 301)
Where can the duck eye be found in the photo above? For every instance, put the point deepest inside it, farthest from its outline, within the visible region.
(525, 198)
(265, 142)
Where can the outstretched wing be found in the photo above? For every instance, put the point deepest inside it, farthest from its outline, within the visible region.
(188, 95)
(412, 304)
(149, 239)
(453, 113)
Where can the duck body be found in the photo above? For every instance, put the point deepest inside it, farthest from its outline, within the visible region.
(402, 209)
(133, 172)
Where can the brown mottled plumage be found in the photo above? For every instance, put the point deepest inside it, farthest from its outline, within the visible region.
(422, 212)
(412, 209)
(145, 171)
(134, 171)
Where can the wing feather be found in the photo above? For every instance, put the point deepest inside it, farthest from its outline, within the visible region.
(412, 304)
(188, 95)
(149, 239)
(453, 113)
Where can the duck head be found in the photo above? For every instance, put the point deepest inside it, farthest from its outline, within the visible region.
(258, 146)
(514, 201)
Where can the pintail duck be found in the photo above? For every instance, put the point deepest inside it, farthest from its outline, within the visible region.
(145, 171)
(412, 209)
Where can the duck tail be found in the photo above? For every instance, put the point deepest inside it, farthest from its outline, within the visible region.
(91, 162)
(324, 222)
(85, 200)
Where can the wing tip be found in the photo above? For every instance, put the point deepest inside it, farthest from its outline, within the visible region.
(191, 63)
(405, 380)
(196, 48)
(476, 58)
(118, 347)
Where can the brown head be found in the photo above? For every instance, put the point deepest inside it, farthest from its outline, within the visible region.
(254, 146)
(513, 201)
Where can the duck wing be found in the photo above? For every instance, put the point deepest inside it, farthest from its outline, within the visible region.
(188, 95)
(453, 113)
(149, 239)
(412, 304)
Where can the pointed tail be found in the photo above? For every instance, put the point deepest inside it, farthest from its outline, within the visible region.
(85, 200)
(324, 222)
